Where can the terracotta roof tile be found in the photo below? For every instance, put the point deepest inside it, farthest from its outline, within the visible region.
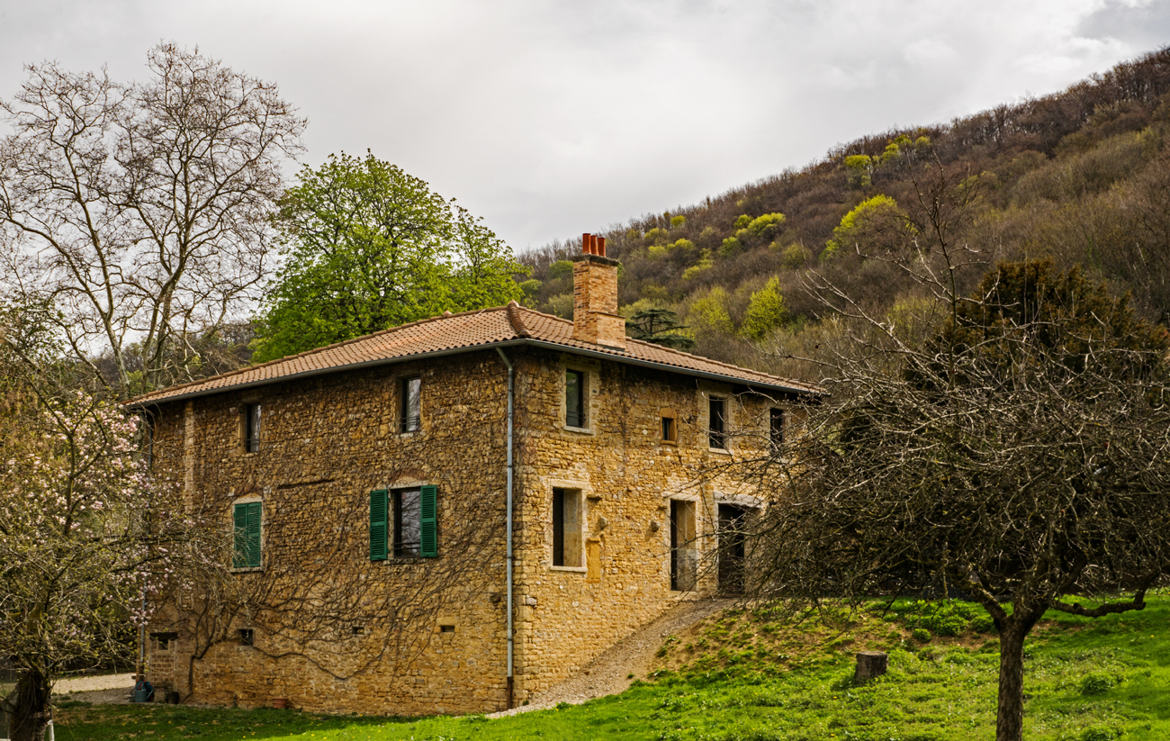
(511, 324)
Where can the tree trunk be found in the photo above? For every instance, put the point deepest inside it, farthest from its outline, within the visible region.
(30, 708)
(1009, 724)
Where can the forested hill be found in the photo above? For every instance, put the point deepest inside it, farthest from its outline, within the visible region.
(1081, 176)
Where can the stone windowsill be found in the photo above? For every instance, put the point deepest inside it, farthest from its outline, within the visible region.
(578, 430)
(569, 569)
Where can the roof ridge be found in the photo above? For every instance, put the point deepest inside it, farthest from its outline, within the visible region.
(515, 320)
(683, 353)
(323, 348)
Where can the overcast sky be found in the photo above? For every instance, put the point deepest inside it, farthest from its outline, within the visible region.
(553, 118)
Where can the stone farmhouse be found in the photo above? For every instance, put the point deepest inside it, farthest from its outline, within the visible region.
(455, 514)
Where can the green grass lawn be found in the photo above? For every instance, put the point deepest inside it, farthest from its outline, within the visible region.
(755, 674)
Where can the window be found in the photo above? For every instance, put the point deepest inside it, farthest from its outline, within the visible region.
(247, 637)
(246, 535)
(669, 429)
(415, 526)
(407, 522)
(163, 641)
(566, 517)
(776, 427)
(684, 556)
(410, 419)
(251, 428)
(717, 423)
(575, 398)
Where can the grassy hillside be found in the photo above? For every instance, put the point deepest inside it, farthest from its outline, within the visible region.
(1082, 176)
(757, 674)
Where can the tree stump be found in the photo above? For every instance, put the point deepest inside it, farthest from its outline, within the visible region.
(870, 664)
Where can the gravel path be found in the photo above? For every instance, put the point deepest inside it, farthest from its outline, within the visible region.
(609, 673)
(101, 689)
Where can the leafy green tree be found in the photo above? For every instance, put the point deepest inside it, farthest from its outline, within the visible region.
(877, 224)
(765, 312)
(709, 312)
(859, 169)
(368, 246)
(660, 326)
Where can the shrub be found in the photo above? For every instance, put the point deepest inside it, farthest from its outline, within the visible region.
(677, 221)
(922, 635)
(1096, 684)
(656, 235)
(795, 256)
(729, 247)
(765, 226)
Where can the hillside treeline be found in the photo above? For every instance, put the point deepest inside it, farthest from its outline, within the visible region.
(1081, 177)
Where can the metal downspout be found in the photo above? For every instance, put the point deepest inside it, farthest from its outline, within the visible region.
(509, 559)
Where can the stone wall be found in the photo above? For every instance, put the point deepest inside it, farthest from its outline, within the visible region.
(333, 631)
(337, 631)
(627, 475)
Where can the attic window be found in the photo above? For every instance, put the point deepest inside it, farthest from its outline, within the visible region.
(251, 428)
(247, 637)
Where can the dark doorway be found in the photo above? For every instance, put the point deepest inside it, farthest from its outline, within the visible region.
(732, 519)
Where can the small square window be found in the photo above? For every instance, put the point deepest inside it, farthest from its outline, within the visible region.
(669, 430)
(247, 637)
(717, 423)
(163, 641)
(575, 398)
(410, 419)
(252, 428)
(566, 517)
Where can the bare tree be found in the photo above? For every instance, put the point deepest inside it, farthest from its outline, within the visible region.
(1018, 456)
(140, 210)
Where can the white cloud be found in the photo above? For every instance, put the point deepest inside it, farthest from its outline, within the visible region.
(553, 118)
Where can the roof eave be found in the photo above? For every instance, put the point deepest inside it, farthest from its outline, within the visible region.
(519, 341)
(673, 368)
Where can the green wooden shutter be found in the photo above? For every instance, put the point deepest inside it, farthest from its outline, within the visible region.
(378, 524)
(254, 534)
(239, 537)
(429, 519)
(246, 535)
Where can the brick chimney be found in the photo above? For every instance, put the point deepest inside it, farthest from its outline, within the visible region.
(595, 301)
